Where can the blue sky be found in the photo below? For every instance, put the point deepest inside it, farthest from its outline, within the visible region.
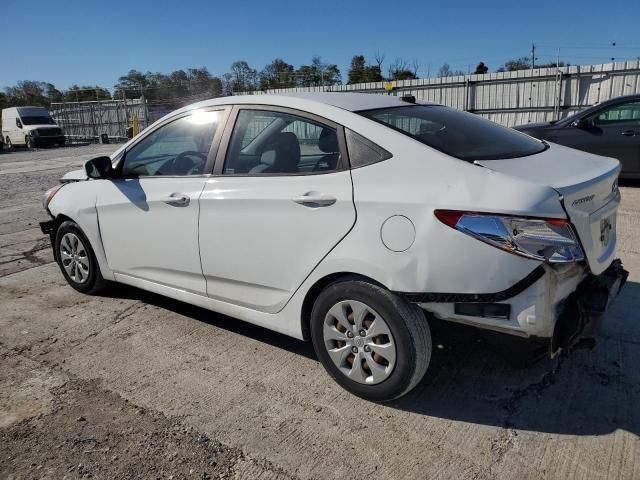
(93, 43)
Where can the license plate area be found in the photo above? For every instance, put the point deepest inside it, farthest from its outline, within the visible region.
(606, 227)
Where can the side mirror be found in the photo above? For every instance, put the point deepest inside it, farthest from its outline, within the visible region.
(99, 167)
(18, 123)
(580, 123)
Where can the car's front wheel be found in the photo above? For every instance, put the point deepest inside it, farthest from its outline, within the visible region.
(371, 341)
(76, 259)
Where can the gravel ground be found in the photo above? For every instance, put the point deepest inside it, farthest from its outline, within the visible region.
(130, 384)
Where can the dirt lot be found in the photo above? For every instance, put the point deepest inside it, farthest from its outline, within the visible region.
(130, 384)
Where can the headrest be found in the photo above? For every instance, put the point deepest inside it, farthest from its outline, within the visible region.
(282, 152)
(328, 142)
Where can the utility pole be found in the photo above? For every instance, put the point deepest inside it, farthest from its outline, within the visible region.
(533, 56)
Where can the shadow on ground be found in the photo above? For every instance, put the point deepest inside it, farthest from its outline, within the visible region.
(471, 378)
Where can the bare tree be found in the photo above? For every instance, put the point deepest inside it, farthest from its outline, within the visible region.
(398, 65)
(445, 71)
(416, 66)
(399, 70)
(379, 57)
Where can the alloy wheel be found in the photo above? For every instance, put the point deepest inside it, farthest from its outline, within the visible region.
(359, 342)
(74, 258)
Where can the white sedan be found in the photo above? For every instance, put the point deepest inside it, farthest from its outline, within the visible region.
(343, 218)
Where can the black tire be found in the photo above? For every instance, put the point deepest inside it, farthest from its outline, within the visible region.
(94, 282)
(28, 142)
(407, 324)
(9, 144)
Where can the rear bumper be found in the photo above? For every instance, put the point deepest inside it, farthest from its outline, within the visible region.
(581, 313)
(558, 306)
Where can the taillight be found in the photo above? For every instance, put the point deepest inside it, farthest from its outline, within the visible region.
(547, 239)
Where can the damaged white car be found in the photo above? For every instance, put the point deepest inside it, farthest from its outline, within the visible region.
(342, 219)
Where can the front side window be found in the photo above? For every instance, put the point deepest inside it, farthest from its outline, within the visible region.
(459, 134)
(177, 148)
(277, 143)
(626, 113)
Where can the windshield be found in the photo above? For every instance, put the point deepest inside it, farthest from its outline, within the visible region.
(462, 135)
(37, 120)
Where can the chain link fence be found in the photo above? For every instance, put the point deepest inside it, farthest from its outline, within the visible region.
(90, 121)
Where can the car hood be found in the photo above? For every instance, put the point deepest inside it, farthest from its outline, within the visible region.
(74, 176)
(588, 185)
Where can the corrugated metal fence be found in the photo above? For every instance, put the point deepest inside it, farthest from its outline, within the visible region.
(513, 98)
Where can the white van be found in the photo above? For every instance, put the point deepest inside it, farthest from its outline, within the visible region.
(30, 127)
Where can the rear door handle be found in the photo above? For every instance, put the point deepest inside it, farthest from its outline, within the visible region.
(314, 200)
(629, 133)
(177, 199)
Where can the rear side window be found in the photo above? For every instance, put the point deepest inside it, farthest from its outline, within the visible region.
(459, 134)
(363, 151)
(277, 143)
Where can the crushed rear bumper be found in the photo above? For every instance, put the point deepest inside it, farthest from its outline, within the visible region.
(580, 314)
(556, 307)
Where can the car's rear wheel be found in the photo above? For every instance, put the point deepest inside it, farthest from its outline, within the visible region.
(371, 341)
(9, 144)
(76, 259)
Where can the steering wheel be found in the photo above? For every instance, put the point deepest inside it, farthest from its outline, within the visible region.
(186, 164)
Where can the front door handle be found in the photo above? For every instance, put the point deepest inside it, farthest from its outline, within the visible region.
(629, 133)
(315, 200)
(177, 199)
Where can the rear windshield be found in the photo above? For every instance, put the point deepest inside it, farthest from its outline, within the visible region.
(462, 135)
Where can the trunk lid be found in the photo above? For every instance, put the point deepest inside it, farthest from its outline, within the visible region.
(588, 185)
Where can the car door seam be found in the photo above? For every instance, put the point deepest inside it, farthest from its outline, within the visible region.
(206, 283)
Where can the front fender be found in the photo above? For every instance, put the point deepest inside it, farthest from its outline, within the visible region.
(77, 202)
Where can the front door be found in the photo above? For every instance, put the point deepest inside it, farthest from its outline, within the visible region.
(149, 215)
(279, 204)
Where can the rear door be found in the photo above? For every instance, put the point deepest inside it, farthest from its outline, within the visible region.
(612, 132)
(280, 200)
